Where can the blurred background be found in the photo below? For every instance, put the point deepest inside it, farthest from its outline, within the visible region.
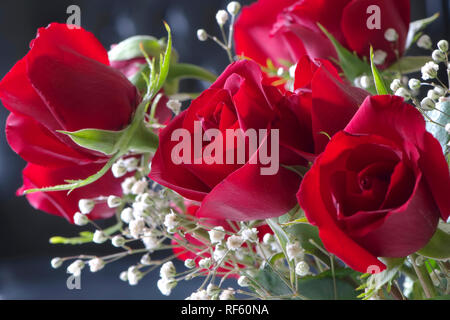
(25, 253)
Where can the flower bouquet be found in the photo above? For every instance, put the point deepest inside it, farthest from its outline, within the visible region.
(315, 166)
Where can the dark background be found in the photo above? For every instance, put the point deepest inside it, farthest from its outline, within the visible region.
(25, 253)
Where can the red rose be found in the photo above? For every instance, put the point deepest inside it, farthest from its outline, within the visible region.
(288, 29)
(64, 83)
(237, 100)
(379, 187)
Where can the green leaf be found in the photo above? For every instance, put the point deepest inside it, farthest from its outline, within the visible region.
(439, 131)
(129, 48)
(321, 286)
(438, 247)
(417, 26)
(104, 141)
(350, 63)
(304, 233)
(270, 281)
(379, 81)
(409, 64)
(376, 281)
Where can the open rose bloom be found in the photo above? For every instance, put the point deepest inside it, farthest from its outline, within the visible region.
(313, 166)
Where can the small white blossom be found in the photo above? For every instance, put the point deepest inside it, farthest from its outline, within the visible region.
(424, 42)
(80, 219)
(217, 234)
(119, 169)
(150, 240)
(302, 269)
(199, 295)
(440, 91)
(447, 128)
(189, 263)
(167, 270)
(366, 82)
(131, 164)
(166, 286)
(427, 104)
(123, 276)
(443, 45)
(99, 236)
(96, 264)
(114, 201)
(429, 70)
(136, 227)
(395, 84)
(118, 241)
(294, 251)
(139, 187)
(219, 253)
(233, 8)
(127, 184)
(202, 35)
(379, 57)
(391, 35)
(433, 94)
(76, 267)
(268, 238)
(243, 281)
(86, 206)
(404, 93)
(227, 294)
(170, 221)
(133, 275)
(212, 289)
(126, 215)
(56, 263)
(438, 56)
(414, 84)
(221, 17)
(234, 242)
(146, 260)
(205, 263)
(250, 235)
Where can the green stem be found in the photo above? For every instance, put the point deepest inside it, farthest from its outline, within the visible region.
(424, 278)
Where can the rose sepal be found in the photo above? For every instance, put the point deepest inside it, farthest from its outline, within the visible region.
(438, 247)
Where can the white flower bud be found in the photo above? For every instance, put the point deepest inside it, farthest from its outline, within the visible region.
(118, 241)
(234, 242)
(268, 238)
(233, 8)
(221, 17)
(80, 219)
(150, 240)
(199, 295)
(227, 294)
(294, 250)
(86, 206)
(379, 57)
(366, 82)
(127, 184)
(119, 169)
(56, 262)
(114, 201)
(133, 275)
(99, 236)
(250, 235)
(205, 263)
(202, 35)
(96, 264)
(168, 270)
(146, 260)
(424, 42)
(189, 263)
(391, 35)
(131, 164)
(395, 85)
(170, 221)
(76, 267)
(219, 253)
(139, 187)
(433, 94)
(429, 70)
(438, 56)
(136, 227)
(443, 45)
(126, 215)
(174, 105)
(302, 269)
(404, 93)
(166, 286)
(414, 84)
(243, 281)
(123, 276)
(217, 234)
(427, 104)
